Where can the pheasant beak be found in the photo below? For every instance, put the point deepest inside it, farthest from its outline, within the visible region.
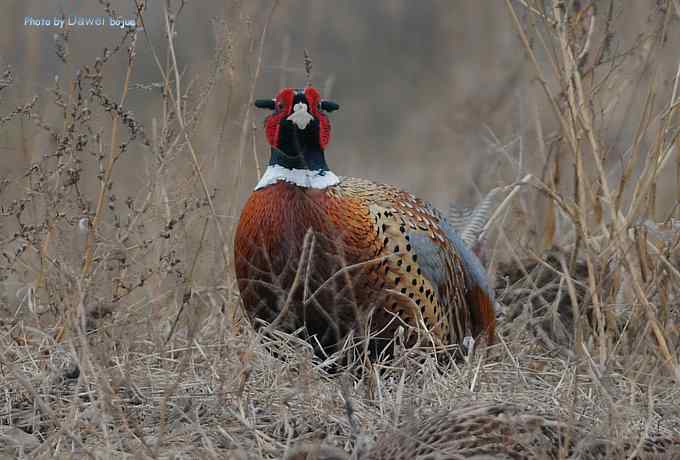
(300, 115)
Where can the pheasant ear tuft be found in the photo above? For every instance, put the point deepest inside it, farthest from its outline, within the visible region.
(265, 104)
(329, 106)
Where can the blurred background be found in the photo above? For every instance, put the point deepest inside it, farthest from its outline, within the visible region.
(429, 91)
(421, 88)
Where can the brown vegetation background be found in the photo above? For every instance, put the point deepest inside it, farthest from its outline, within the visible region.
(119, 322)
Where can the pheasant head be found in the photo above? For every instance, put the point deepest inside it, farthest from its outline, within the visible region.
(298, 131)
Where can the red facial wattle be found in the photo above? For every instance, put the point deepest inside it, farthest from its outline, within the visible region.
(314, 102)
(284, 107)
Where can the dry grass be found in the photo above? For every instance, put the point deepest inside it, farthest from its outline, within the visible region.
(120, 329)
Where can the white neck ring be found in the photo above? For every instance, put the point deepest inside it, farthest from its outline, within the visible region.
(301, 177)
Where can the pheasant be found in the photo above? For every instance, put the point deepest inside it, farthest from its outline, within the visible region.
(491, 430)
(333, 255)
